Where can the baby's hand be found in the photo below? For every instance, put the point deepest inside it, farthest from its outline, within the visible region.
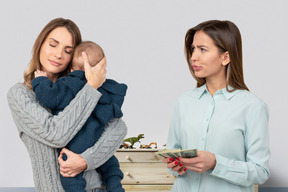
(39, 73)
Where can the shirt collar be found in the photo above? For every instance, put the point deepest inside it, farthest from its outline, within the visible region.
(228, 95)
(201, 91)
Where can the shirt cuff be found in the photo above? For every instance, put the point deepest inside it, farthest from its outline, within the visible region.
(175, 173)
(92, 90)
(218, 169)
(89, 160)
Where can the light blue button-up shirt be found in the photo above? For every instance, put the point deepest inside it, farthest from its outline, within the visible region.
(233, 126)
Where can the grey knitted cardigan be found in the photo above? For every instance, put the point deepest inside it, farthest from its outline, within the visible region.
(43, 133)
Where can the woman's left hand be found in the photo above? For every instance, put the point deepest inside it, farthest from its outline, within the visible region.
(74, 164)
(203, 162)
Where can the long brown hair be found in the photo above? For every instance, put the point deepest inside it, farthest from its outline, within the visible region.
(35, 60)
(226, 37)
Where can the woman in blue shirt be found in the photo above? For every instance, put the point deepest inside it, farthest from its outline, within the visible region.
(221, 118)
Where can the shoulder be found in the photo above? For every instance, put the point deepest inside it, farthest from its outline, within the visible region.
(250, 98)
(250, 102)
(188, 95)
(186, 98)
(20, 95)
(19, 89)
(18, 86)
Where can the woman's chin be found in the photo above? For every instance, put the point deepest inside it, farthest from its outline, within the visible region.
(200, 76)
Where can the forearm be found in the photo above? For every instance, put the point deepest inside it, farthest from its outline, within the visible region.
(55, 131)
(239, 172)
(107, 145)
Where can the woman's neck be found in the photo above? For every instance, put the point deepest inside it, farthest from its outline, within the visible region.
(213, 86)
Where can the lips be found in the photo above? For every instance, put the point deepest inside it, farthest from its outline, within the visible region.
(196, 68)
(54, 63)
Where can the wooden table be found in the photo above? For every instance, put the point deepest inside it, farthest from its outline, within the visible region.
(144, 171)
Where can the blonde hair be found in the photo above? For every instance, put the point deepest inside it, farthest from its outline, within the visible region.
(226, 37)
(94, 52)
(35, 60)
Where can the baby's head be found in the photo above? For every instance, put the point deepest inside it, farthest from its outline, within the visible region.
(94, 52)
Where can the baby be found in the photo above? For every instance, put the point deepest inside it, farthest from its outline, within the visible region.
(56, 96)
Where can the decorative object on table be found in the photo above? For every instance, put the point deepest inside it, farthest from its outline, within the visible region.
(143, 146)
(125, 146)
(132, 141)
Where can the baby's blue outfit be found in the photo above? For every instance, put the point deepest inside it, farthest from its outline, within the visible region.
(56, 96)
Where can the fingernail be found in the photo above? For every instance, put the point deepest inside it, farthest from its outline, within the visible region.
(178, 158)
(171, 159)
(180, 164)
(176, 162)
(185, 169)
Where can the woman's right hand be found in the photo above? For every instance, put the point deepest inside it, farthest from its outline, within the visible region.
(174, 165)
(96, 75)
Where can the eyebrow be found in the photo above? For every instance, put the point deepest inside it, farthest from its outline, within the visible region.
(200, 46)
(59, 42)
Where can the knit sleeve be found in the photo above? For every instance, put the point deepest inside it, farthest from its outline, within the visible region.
(107, 145)
(56, 95)
(55, 131)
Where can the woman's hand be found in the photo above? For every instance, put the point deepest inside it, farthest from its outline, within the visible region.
(96, 75)
(174, 165)
(74, 164)
(203, 162)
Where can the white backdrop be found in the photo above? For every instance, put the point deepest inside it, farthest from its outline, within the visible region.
(144, 44)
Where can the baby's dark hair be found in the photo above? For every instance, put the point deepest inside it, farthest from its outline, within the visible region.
(94, 52)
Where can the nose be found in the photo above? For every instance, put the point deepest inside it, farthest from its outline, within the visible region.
(58, 53)
(194, 56)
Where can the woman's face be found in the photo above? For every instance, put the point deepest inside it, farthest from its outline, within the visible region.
(207, 62)
(56, 52)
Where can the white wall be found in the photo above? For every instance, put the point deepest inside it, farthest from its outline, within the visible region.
(144, 45)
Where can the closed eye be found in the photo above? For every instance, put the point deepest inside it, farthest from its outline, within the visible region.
(69, 51)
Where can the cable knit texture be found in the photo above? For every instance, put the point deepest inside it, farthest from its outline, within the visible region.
(42, 133)
(59, 94)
